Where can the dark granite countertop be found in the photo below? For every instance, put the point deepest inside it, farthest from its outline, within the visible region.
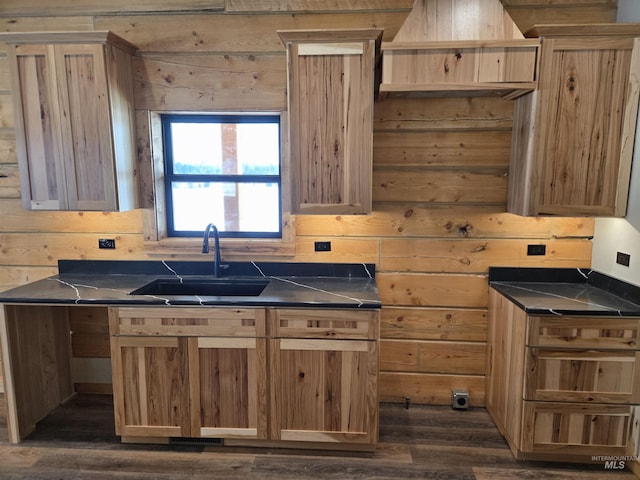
(563, 291)
(290, 284)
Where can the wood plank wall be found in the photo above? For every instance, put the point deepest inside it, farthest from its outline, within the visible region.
(439, 181)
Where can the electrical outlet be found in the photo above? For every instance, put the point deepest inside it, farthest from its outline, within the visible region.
(536, 249)
(106, 243)
(322, 246)
(623, 259)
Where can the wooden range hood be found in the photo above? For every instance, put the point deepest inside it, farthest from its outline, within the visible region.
(459, 48)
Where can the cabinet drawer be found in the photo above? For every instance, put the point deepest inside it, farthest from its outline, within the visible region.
(188, 321)
(582, 376)
(578, 429)
(584, 332)
(324, 323)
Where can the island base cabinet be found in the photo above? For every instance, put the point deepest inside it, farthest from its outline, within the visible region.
(324, 390)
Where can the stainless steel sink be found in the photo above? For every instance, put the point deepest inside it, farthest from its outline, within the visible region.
(222, 287)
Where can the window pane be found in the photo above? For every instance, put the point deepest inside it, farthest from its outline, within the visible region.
(226, 148)
(232, 207)
(197, 148)
(258, 148)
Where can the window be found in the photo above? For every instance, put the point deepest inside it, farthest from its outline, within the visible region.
(223, 169)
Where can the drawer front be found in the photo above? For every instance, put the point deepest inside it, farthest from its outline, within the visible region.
(188, 321)
(324, 323)
(584, 332)
(582, 376)
(578, 429)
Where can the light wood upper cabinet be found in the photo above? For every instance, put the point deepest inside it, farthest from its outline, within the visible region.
(573, 137)
(73, 101)
(331, 87)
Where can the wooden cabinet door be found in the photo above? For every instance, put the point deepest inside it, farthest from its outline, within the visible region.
(559, 429)
(324, 390)
(586, 376)
(573, 138)
(331, 96)
(73, 107)
(150, 386)
(228, 387)
(88, 156)
(38, 131)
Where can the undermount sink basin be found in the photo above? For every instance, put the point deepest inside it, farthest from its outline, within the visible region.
(221, 287)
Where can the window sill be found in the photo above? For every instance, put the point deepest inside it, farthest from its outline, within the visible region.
(229, 248)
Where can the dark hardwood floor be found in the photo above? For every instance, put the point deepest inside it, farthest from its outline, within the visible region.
(424, 442)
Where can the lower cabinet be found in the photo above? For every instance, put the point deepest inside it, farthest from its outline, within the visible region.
(282, 375)
(324, 370)
(189, 372)
(151, 395)
(563, 388)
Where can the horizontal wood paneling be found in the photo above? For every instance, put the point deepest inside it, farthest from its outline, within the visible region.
(476, 256)
(93, 7)
(433, 290)
(445, 221)
(434, 389)
(39, 221)
(433, 323)
(440, 186)
(443, 114)
(42, 23)
(343, 250)
(9, 181)
(433, 357)
(441, 149)
(6, 110)
(211, 82)
(268, 6)
(5, 82)
(234, 33)
(46, 249)
(8, 146)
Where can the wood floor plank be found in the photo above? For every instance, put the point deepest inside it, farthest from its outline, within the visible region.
(78, 442)
(483, 473)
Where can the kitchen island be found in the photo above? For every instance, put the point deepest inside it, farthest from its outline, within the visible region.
(563, 378)
(293, 364)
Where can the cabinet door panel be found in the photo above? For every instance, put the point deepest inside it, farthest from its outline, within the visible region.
(578, 429)
(228, 387)
(582, 376)
(329, 324)
(37, 129)
(87, 146)
(584, 332)
(324, 390)
(573, 138)
(150, 386)
(330, 97)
